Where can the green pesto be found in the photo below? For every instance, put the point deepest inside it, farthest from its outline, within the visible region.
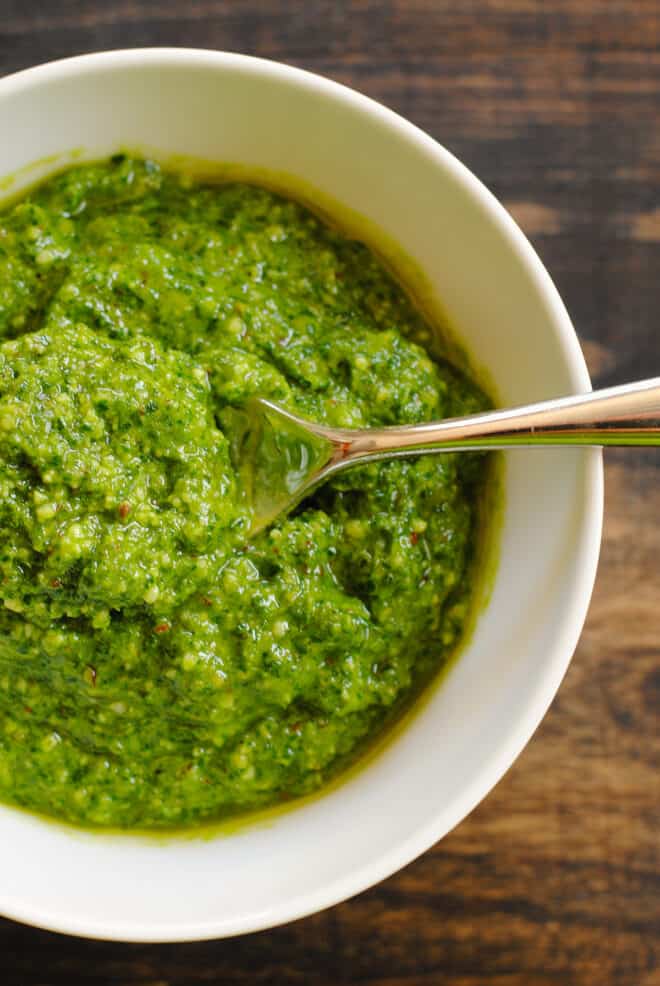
(158, 667)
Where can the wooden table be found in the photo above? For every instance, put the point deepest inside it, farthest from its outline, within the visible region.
(554, 879)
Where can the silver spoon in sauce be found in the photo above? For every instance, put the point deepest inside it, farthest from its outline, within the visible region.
(282, 458)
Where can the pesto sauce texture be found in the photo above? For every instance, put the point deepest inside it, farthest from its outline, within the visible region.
(158, 667)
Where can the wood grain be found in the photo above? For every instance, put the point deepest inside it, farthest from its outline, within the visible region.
(554, 879)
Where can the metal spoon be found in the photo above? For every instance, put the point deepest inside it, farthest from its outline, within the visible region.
(282, 458)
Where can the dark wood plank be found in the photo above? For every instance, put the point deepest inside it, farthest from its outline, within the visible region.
(554, 879)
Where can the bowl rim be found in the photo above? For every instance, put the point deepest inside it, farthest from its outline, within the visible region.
(587, 550)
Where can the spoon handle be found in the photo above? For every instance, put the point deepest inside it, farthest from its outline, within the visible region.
(625, 415)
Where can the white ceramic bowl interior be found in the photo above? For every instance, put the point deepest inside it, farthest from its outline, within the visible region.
(228, 107)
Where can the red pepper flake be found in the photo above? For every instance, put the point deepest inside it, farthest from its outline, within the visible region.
(162, 628)
(344, 447)
(295, 727)
(206, 601)
(55, 584)
(27, 708)
(414, 537)
(124, 510)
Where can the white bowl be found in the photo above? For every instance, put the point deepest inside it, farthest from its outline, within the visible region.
(232, 108)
